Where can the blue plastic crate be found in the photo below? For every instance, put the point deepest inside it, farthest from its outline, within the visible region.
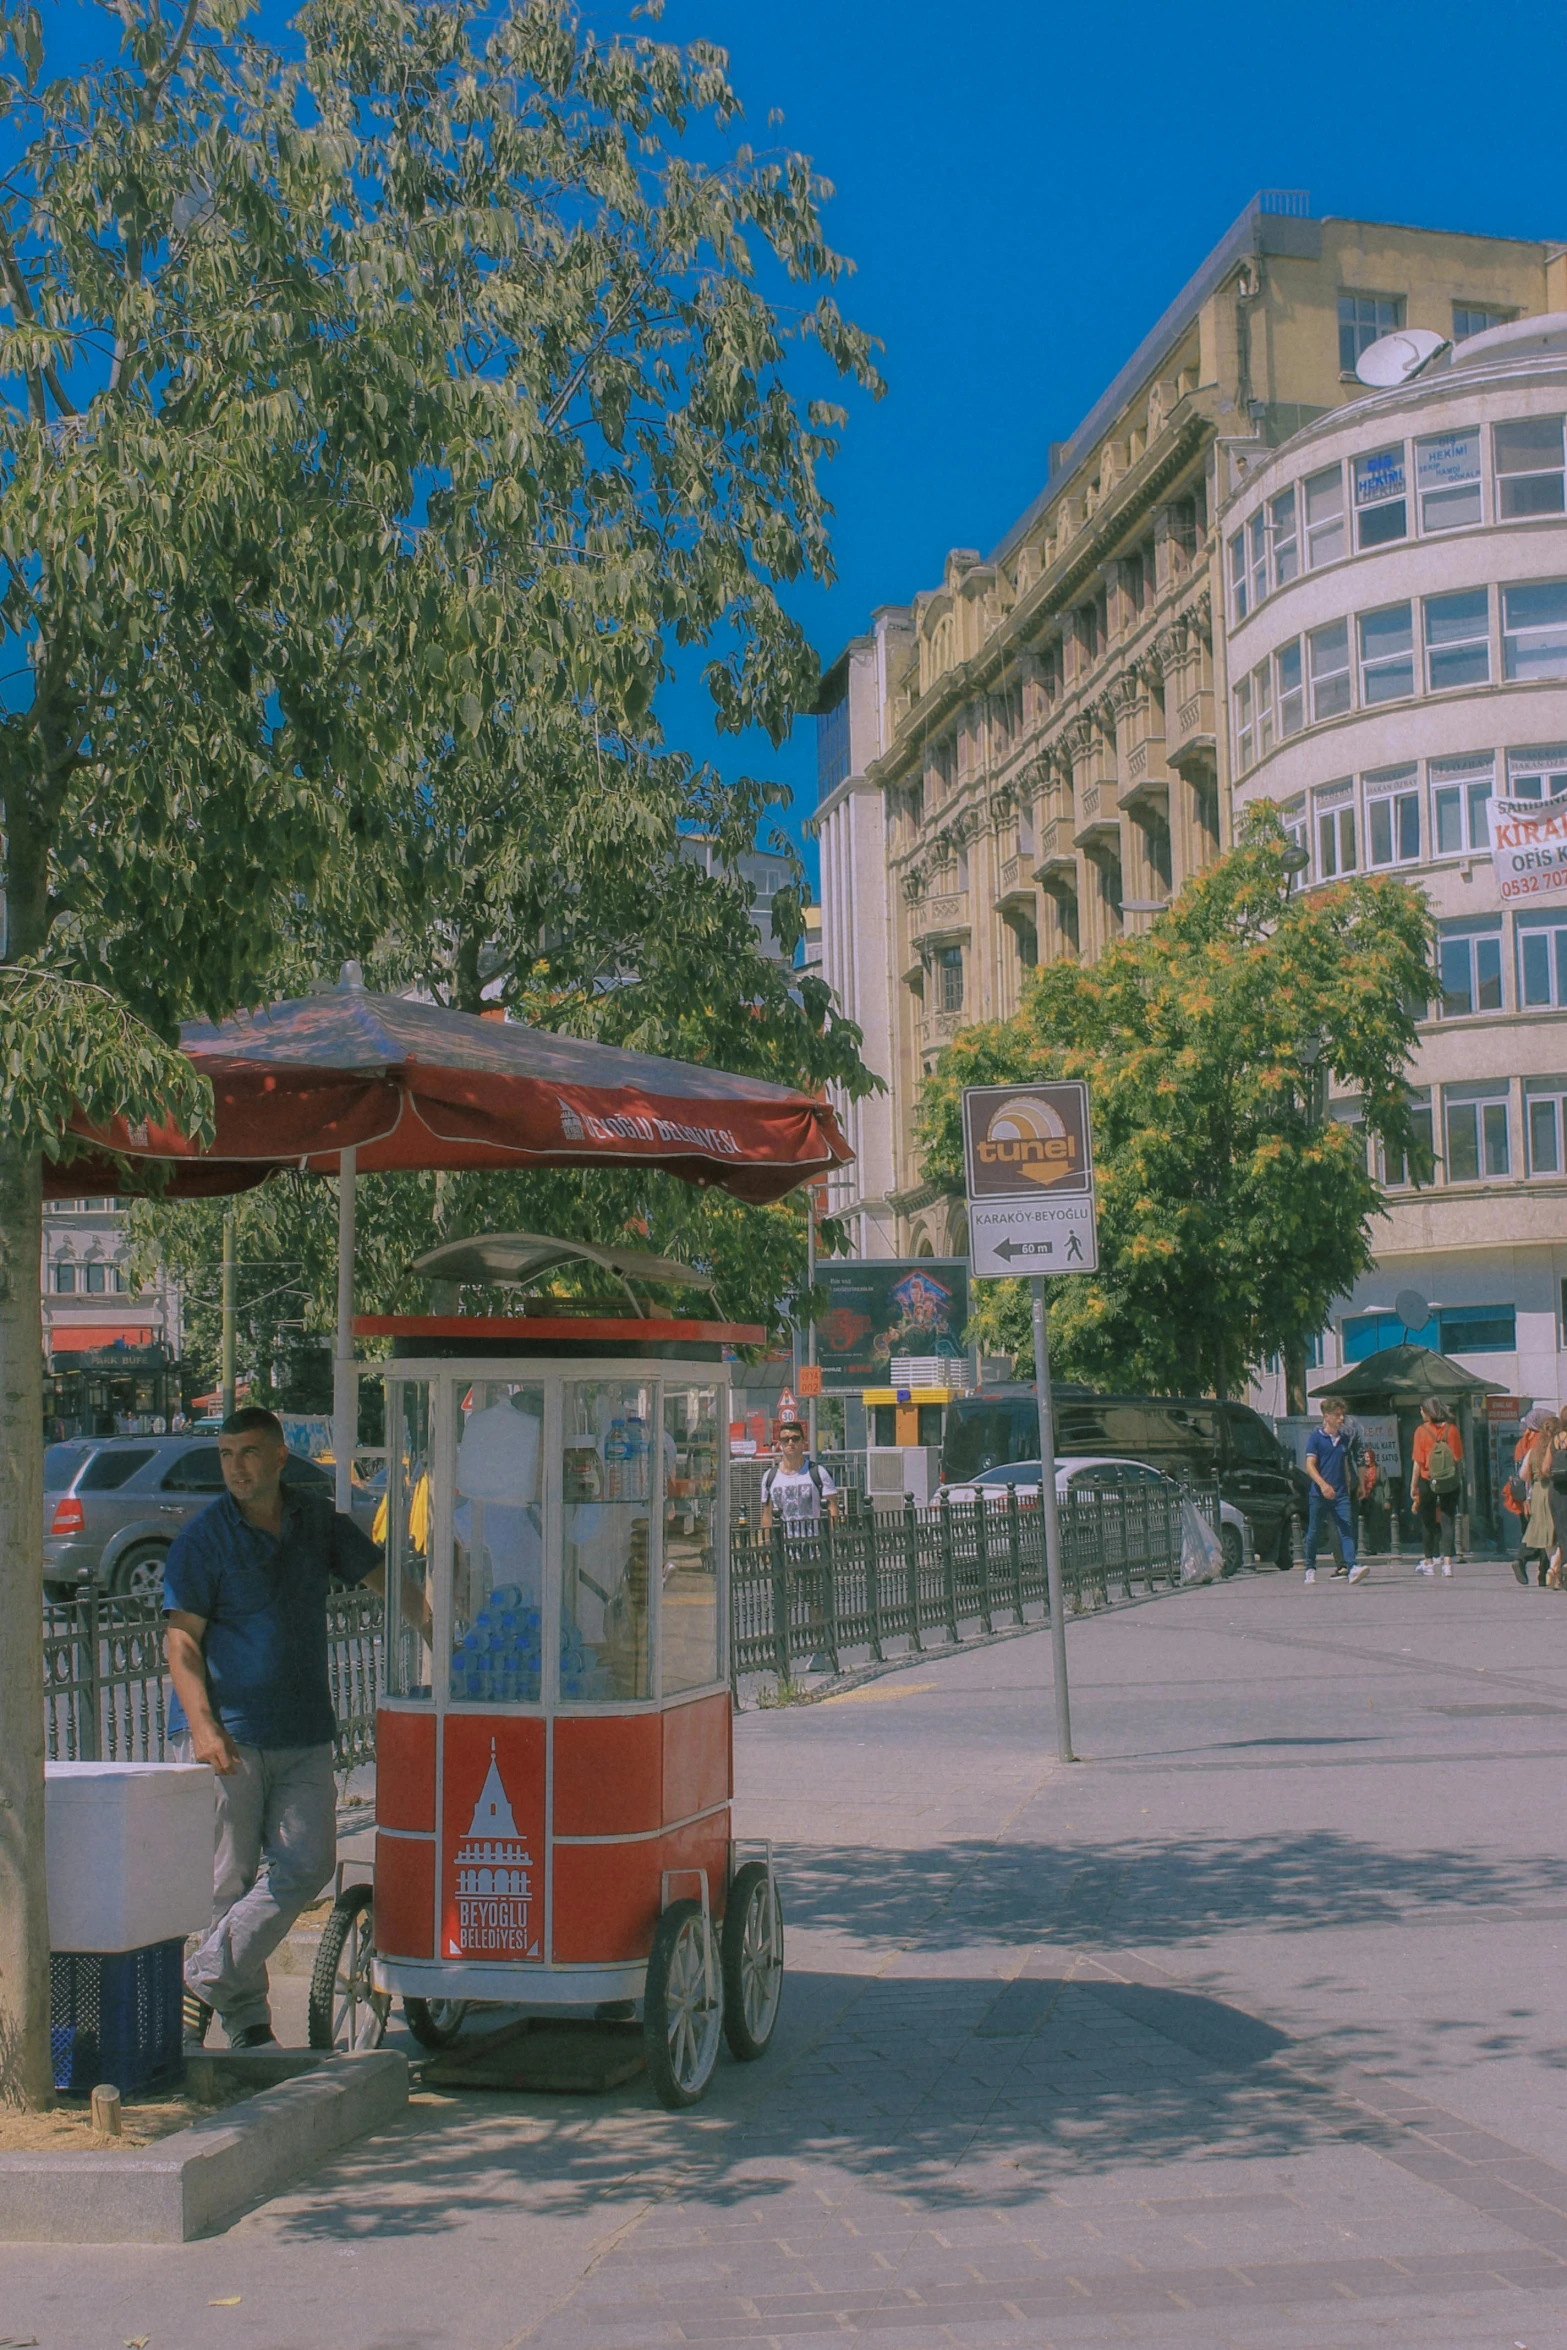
(116, 2016)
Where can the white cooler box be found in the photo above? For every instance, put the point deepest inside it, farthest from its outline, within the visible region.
(129, 1851)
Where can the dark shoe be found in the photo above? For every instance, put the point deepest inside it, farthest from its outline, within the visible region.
(195, 2016)
(1521, 1570)
(255, 2036)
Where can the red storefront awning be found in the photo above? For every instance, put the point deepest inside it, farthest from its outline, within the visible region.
(73, 1338)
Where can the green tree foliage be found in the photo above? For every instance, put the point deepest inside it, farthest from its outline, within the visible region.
(376, 426)
(1231, 1213)
(286, 1250)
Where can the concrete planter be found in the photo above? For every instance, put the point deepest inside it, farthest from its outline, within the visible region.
(194, 2182)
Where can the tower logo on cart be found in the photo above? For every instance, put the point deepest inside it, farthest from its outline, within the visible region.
(495, 1890)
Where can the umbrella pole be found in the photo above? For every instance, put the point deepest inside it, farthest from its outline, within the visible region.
(345, 1375)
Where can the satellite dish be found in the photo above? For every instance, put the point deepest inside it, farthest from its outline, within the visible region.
(1396, 358)
(1412, 1309)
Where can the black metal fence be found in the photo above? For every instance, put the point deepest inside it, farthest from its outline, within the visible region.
(105, 1698)
(877, 1580)
(958, 1570)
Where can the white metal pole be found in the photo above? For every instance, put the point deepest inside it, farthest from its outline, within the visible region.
(1047, 1497)
(345, 1376)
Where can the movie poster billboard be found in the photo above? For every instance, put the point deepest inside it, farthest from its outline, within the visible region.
(878, 1308)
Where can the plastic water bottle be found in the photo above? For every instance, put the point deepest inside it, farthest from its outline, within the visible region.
(616, 1453)
(637, 1458)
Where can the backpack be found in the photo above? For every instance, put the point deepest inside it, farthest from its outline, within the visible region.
(1442, 1467)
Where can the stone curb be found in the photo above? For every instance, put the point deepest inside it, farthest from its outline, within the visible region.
(194, 2182)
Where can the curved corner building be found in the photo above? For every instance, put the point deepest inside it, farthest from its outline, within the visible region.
(1395, 652)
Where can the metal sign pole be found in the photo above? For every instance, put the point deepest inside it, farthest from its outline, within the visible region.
(1047, 1497)
(1028, 1159)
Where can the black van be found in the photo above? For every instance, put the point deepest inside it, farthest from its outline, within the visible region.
(1194, 1438)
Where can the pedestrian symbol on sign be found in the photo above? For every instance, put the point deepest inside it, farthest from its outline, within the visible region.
(1074, 1249)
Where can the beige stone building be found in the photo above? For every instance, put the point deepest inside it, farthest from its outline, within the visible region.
(1030, 758)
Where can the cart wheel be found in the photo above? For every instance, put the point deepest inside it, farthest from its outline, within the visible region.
(344, 2011)
(435, 2023)
(753, 1949)
(681, 2021)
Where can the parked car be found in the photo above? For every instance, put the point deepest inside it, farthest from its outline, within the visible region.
(1198, 1440)
(113, 1505)
(1100, 1474)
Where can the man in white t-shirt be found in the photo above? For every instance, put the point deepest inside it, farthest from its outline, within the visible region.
(797, 1487)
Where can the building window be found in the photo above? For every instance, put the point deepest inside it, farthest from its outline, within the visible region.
(1528, 457)
(1262, 707)
(1335, 839)
(1467, 320)
(1458, 639)
(1477, 1330)
(1238, 601)
(1324, 516)
(1469, 965)
(1447, 480)
(1476, 1123)
(1286, 544)
(1381, 500)
(119, 1279)
(1363, 319)
(949, 979)
(97, 1279)
(1329, 663)
(1393, 817)
(1414, 1166)
(64, 1277)
(1027, 944)
(1534, 629)
(1460, 801)
(1293, 817)
(1536, 775)
(1245, 739)
(1291, 689)
(1542, 962)
(1544, 1103)
(1387, 654)
(1257, 533)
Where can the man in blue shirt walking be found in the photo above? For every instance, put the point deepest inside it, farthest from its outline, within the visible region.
(244, 1598)
(1328, 1459)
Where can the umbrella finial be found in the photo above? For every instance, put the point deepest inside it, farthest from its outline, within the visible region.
(351, 976)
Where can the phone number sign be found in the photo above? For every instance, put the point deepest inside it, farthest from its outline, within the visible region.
(1529, 848)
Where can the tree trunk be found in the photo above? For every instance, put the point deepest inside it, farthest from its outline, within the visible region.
(26, 2069)
(26, 2073)
(1295, 1379)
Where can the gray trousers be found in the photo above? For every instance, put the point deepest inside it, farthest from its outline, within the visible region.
(277, 1842)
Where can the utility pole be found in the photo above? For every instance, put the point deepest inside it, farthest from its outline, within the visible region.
(226, 1375)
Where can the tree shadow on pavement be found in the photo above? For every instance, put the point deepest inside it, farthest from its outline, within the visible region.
(951, 2072)
(961, 1894)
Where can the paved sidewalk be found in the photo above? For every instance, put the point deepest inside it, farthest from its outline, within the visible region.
(1242, 2032)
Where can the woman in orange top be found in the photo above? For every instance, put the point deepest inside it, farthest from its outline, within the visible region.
(1436, 1484)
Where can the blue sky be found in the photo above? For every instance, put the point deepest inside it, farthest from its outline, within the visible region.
(1025, 187)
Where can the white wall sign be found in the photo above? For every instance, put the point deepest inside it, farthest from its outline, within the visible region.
(1529, 849)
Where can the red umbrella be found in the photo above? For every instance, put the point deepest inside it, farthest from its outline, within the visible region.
(405, 1084)
(347, 1082)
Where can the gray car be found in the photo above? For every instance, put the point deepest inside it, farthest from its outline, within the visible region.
(113, 1505)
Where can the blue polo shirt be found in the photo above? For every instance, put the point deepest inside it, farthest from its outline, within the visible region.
(1331, 1454)
(264, 1600)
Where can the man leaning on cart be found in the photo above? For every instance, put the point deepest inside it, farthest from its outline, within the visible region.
(244, 1597)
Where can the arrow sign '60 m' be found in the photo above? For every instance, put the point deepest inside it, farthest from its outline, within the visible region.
(1028, 1154)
